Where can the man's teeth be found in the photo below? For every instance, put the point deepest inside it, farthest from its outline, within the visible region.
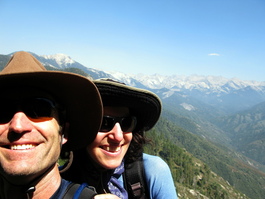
(22, 147)
(111, 149)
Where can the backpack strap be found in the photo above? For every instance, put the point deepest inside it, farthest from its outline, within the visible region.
(77, 191)
(135, 180)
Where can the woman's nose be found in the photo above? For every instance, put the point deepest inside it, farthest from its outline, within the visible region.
(116, 132)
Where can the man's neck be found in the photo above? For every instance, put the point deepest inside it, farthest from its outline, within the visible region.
(44, 188)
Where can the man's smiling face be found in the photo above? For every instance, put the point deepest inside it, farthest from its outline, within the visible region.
(28, 146)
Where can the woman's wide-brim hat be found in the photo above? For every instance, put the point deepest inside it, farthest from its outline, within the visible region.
(143, 104)
(78, 95)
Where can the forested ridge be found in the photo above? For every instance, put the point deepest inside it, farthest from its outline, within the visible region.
(201, 167)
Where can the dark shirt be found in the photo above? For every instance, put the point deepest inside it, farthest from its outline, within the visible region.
(61, 190)
(77, 191)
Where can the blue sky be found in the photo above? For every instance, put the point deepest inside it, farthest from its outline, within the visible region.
(169, 37)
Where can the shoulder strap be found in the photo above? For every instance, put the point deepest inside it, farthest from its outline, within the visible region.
(135, 180)
(77, 191)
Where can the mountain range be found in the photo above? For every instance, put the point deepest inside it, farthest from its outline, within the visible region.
(227, 112)
(228, 95)
(216, 91)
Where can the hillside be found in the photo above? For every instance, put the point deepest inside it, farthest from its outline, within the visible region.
(193, 178)
(247, 131)
(221, 160)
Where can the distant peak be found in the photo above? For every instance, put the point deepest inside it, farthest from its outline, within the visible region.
(60, 58)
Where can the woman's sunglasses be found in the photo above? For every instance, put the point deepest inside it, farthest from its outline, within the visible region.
(127, 123)
(34, 108)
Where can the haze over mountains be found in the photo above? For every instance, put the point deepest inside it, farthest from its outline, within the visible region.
(228, 112)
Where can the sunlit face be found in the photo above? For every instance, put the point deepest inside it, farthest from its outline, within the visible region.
(28, 147)
(109, 148)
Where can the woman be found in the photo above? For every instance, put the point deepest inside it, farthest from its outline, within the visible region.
(128, 113)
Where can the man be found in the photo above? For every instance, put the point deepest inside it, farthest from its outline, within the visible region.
(40, 111)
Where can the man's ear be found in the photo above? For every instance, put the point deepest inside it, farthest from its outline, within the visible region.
(64, 132)
(64, 139)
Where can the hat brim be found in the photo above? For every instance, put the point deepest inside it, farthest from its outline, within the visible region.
(79, 95)
(143, 104)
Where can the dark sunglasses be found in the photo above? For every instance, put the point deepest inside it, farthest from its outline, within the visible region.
(35, 108)
(127, 123)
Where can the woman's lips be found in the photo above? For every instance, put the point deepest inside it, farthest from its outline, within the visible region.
(111, 148)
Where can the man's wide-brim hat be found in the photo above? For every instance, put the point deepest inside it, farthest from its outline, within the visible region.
(78, 95)
(143, 104)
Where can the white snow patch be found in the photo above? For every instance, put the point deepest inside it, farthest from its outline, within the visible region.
(188, 107)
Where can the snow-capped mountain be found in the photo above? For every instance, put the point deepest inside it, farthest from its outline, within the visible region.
(228, 95)
(215, 84)
(60, 59)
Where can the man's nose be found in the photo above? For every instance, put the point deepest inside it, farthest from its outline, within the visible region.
(20, 123)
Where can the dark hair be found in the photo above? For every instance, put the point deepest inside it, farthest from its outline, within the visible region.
(136, 147)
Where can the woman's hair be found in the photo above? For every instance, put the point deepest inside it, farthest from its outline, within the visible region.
(136, 147)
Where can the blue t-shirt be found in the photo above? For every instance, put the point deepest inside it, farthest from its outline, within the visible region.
(158, 178)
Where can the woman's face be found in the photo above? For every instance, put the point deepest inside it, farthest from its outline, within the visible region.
(109, 148)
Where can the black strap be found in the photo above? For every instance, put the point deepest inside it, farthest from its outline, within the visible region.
(135, 180)
(77, 191)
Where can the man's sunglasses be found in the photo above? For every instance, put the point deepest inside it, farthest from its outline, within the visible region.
(34, 108)
(127, 123)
